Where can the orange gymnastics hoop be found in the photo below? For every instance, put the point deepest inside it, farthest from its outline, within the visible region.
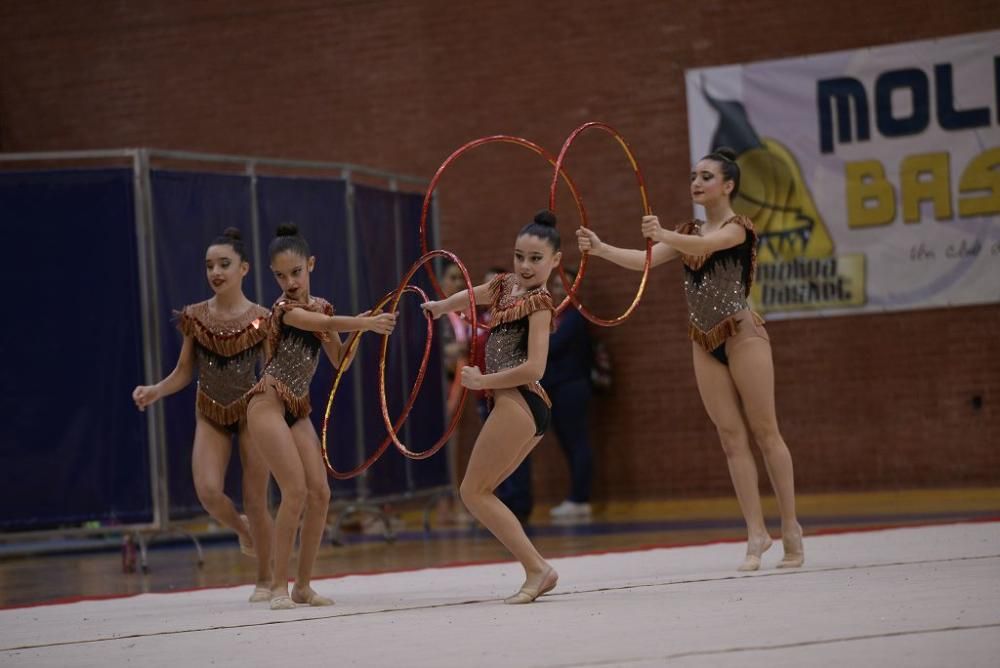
(571, 290)
(457, 416)
(352, 345)
(392, 299)
(465, 148)
(558, 171)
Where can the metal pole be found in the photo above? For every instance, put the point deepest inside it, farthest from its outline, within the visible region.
(196, 156)
(69, 155)
(155, 426)
(352, 268)
(281, 162)
(145, 299)
(258, 274)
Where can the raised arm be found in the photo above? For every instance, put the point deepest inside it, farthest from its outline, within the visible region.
(300, 318)
(589, 242)
(539, 326)
(177, 380)
(457, 302)
(691, 244)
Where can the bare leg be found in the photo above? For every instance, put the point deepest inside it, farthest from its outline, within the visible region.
(753, 372)
(255, 477)
(722, 403)
(273, 439)
(504, 442)
(317, 506)
(449, 512)
(209, 460)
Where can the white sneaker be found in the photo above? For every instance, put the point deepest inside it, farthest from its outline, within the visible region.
(570, 510)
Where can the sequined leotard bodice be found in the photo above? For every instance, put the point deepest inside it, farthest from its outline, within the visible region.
(226, 352)
(507, 346)
(717, 285)
(294, 356)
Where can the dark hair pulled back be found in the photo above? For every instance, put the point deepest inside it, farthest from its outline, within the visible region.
(232, 237)
(543, 226)
(287, 238)
(726, 157)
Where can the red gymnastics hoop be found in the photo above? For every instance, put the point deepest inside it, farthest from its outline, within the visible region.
(572, 289)
(352, 344)
(465, 148)
(457, 416)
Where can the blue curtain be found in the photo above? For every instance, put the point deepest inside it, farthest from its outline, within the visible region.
(388, 243)
(427, 423)
(73, 448)
(66, 391)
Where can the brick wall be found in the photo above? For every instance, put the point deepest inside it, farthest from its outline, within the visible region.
(864, 402)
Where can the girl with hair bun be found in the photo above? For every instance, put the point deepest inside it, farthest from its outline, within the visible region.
(223, 340)
(732, 351)
(521, 316)
(278, 412)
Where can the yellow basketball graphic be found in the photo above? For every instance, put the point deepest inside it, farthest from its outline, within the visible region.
(774, 195)
(797, 268)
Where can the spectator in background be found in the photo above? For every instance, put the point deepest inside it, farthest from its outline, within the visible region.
(567, 380)
(454, 333)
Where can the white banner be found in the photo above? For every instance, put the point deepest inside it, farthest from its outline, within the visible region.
(873, 175)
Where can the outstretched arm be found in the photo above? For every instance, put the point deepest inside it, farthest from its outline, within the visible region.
(690, 244)
(300, 318)
(457, 302)
(589, 242)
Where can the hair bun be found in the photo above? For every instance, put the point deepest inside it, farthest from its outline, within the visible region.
(546, 218)
(726, 152)
(288, 230)
(232, 233)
